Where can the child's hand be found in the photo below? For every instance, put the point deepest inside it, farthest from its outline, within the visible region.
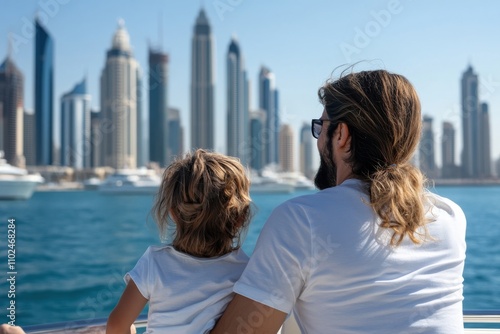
(8, 329)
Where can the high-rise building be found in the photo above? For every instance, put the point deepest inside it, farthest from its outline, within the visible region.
(76, 127)
(306, 151)
(258, 139)
(97, 131)
(120, 80)
(267, 96)
(476, 158)
(29, 138)
(484, 142)
(449, 169)
(237, 105)
(426, 149)
(11, 112)
(276, 123)
(202, 85)
(175, 134)
(158, 107)
(286, 148)
(470, 126)
(497, 167)
(44, 95)
(142, 143)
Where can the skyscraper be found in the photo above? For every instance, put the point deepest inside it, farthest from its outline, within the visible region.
(11, 112)
(44, 95)
(202, 85)
(29, 138)
(237, 105)
(448, 169)
(76, 127)
(476, 158)
(484, 142)
(258, 139)
(267, 97)
(120, 79)
(306, 151)
(426, 149)
(97, 132)
(286, 148)
(158, 108)
(470, 123)
(175, 134)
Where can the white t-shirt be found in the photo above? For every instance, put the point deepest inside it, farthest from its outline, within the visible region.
(325, 256)
(186, 294)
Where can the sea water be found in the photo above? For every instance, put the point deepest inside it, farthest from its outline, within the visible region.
(72, 249)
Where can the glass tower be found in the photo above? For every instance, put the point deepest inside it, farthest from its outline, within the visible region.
(44, 92)
(202, 85)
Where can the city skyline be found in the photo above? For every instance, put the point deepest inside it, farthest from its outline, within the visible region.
(294, 53)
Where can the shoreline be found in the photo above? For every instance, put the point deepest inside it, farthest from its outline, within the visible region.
(77, 186)
(464, 182)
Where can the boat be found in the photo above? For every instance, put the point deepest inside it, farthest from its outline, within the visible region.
(92, 184)
(16, 183)
(476, 322)
(298, 179)
(131, 181)
(266, 182)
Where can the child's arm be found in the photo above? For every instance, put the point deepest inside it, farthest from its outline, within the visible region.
(126, 311)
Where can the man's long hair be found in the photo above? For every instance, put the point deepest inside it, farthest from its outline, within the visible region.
(382, 111)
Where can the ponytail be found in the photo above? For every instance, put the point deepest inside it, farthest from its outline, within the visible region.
(396, 195)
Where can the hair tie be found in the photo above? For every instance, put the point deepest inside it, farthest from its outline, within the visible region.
(393, 166)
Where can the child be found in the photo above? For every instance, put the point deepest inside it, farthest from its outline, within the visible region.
(189, 282)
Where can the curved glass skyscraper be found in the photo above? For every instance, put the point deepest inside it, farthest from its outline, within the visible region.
(202, 85)
(44, 94)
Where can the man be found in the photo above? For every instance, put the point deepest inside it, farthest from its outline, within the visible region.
(372, 252)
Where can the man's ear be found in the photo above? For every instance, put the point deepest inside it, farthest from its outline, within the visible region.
(343, 137)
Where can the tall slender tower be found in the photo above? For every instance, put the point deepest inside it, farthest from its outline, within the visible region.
(267, 103)
(11, 112)
(75, 127)
(257, 140)
(158, 108)
(286, 148)
(470, 120)
(44, 94)
(202, 85)
(448, 151)
(484, 142)
(306, 151)
(237, 104)
(427, 161)
(175, 134)
(119, 100)
(476, 157)
(29, 138)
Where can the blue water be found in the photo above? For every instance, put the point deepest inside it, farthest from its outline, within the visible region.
(72, 249)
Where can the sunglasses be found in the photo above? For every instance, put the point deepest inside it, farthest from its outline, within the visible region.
(317, 126)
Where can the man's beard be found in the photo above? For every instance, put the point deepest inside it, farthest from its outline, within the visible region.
(326, 176)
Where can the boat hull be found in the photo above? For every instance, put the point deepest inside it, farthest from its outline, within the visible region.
(14, 189)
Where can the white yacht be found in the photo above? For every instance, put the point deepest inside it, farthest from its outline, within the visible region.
(269, 184)
(131, 181)
(16, 183)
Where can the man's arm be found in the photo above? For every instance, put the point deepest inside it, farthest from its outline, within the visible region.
(244, 315)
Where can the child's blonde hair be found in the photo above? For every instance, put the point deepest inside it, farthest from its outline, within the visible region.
(207, 196)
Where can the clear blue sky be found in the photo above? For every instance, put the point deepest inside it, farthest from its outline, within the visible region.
(302, 42)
